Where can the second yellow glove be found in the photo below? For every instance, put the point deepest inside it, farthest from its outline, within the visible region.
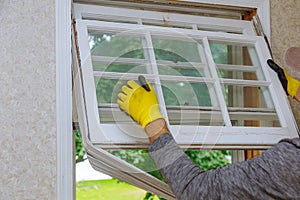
(289, 84)
(140, 102)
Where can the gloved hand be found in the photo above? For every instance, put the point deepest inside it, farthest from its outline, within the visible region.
(140, 102)
(289, 84)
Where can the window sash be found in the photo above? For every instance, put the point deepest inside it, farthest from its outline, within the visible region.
(284, 113)
(210, 137)
(83, 11)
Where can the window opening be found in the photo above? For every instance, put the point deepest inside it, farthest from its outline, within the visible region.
(203, 72)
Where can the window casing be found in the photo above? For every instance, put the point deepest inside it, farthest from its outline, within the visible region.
(237, 108)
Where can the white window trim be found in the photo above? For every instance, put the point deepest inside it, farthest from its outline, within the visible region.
(65, 157)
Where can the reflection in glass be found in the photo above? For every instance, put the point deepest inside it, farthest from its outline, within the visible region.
(186, 94)
(115, 45)
(176, 50)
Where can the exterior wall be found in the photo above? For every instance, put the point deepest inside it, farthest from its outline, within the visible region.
(285, 33)
(27, 100)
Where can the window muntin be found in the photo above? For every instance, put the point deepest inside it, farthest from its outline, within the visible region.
(179, 63)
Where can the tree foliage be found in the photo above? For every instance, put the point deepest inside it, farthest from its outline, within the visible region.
(80, 152)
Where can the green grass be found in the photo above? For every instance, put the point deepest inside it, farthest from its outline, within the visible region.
(108, 190)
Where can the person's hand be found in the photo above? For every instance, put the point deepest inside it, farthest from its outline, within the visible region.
(289, 84)
(140, 102)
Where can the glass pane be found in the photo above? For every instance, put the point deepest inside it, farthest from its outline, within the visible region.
(181, 70)
(186, 94)
(108, 114)
(115, 45)
(176, 50)
(232, 54)
(250, 106)
(107, 94)
(236, 61)
(247, 96)
(190, 104)
(253, 120)
(122, 68)
(193, 116)
(107, 89)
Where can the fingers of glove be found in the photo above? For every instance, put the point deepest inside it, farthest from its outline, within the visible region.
(132, 84)
(126, 90)
(273, 65)
(122, 97)
(123, 106)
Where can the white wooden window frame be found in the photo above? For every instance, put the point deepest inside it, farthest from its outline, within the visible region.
(216, 137)
(138, 16)
(65, 187)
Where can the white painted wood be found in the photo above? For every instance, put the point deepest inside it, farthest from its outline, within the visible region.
(97, 136)
(118, 60)
(157, 81)
(211, 90)
(244, 82)
(279, 97)
(215, 137)
(65, 158)
(217, 85)
(262, 6)
(131, 135)
(241, 68)
(90, 11)
(173, 6)
(170, 33)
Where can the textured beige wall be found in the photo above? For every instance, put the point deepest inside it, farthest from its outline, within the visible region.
(27, 100)
(285, 33)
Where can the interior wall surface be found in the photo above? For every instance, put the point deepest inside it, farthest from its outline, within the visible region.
(285, 33)
(27, 100)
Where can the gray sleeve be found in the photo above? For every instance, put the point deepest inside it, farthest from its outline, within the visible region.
(273, 175)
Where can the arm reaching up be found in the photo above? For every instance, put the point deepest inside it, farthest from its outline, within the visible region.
(273, 175)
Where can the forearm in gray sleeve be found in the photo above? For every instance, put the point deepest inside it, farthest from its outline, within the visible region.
(273, 175)
(178, 170)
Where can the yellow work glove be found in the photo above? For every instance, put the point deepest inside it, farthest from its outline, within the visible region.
(140, 102)
(289, 84)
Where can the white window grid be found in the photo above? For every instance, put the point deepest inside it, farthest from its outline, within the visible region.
(97, 136)
(258, 137)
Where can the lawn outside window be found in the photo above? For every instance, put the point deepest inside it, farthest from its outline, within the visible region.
(210, 75)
